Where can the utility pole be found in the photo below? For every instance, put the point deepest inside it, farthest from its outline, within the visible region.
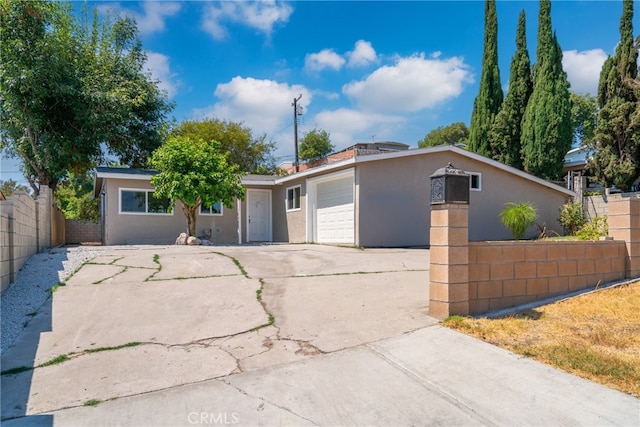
(296, 113)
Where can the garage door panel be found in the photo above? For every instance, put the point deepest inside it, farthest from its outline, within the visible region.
(335, 193)
(335, 211)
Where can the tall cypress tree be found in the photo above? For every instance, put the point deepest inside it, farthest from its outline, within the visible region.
(506, 132)
(546, 126)
(617, 155)
(489, 99)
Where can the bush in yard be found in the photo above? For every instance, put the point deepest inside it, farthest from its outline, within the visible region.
(572, 217)
(594, 229)
(517, 217)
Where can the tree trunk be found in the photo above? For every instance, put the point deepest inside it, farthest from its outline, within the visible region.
(190, 214)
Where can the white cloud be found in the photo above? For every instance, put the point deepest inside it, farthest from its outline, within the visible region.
(326, 58)
(260, 15)
(346, 125)
(262, 105)
(362, 55)
(583, 69)
(412, 84)
(154, 15)
(153, 18)
(158, 65)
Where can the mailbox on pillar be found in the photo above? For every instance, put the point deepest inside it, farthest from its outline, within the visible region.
(449, 185)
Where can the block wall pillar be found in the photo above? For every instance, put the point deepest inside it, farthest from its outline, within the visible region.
(449, 260)
(624, 224)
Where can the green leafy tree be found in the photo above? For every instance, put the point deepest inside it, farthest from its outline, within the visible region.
(251, 154)
(506, 134)
(454, 134)
(196, 173)
(584, 117)
(10, 186)
(489, 99)
(74, 195)
(315, 145)
(617, 147)
(546, 126)
(69, 84)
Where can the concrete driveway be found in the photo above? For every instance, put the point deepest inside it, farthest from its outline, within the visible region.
(147, 318)
(274, 335)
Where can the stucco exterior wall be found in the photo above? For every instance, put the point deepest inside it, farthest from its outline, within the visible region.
(393, 208)
(394, 199)
(224, 229)
(127, 228)
(295, 221)
(279, 215)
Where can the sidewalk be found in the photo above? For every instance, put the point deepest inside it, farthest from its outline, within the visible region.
(433, 376)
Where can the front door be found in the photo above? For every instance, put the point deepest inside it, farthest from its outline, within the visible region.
(258, 215)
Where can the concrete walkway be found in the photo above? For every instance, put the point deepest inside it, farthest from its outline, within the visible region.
(274, 335)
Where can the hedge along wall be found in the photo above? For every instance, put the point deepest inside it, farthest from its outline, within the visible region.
(510, 273)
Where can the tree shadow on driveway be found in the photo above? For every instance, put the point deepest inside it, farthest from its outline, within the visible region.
(23, 307)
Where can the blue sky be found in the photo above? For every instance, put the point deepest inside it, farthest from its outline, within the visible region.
(367, 70)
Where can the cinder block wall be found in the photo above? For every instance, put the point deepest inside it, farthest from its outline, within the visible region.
(503, 274)
(624, 224)
(22, 227)
(82, 231)
(26, 228)
(43, 218)
(595, 206)
(5, 252)
(510, 273)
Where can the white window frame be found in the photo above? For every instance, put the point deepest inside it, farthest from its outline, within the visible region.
(146, 202)
(211, 213)
(286, 199)
(476, 174)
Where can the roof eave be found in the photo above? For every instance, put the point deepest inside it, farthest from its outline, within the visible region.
(471, 155)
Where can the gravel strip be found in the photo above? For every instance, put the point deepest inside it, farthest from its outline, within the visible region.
(31, 288)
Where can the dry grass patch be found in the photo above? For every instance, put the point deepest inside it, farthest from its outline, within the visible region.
(595, 336)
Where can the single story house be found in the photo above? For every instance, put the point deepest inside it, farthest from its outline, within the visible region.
(377, 200)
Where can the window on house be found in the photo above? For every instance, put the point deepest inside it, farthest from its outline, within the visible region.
(475, 181)
(293, 198)
(215, 209)
(143, 202)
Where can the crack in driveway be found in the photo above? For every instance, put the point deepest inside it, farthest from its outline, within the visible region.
(308, 315)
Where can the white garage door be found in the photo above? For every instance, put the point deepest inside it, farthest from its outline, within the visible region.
(334, 215)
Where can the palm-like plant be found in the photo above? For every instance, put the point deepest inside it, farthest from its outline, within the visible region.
(517, 217)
